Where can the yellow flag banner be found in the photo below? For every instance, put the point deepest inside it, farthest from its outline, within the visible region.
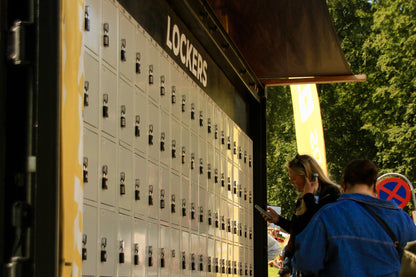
(308, 122)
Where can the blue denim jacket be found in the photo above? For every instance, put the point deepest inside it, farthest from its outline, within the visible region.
(343, 239)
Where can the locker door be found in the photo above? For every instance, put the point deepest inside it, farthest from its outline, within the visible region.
(91, 25)
(185, 101)
(218, 215)
(125, 112)
(125, 179)
(153, 191)
(175, 145)
(185, 203)
(210, 124)
(141, 59)
(152, 261)
(230, 217)
(223, 177)
(194, 255)
(153, 131)
(185, 152)
(175, 200)
(164, 252)
(108, 102)
(139, 247)
(107, 243)
(108, 171)
(210, 168)
(235, 221)
(194, 158)
(124, 246)
(236, 184)
(202, 114)
(127, 57)
(202, 212)
(109, 33)
(194, 206)
(229, 138)
(223, 219)
(165, 82)
(185, 253)
(230, 180)
(165, 139)
(193, 112)
(176, 91)
(140, 186)
(91, 90)
(153, 70)
(164, 194)
(211, 213)
(175, 252)
(210, 257)
(89, 239)
(203, 164)
(90, 164)
(140, 125)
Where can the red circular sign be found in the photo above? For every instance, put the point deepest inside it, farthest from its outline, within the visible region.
(395, 189)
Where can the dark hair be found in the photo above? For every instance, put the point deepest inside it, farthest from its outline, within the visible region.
(361, 171)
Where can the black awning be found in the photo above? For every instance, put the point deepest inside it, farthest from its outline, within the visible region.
(282, 39)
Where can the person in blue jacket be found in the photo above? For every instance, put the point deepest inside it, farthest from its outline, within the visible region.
(344, 239)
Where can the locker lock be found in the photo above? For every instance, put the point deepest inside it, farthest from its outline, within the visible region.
(245, 194)
(137, 126)
(234, 227)
(150, 195)
(84, 247)
(209, 217)
(87, 18)
(201, 214)
(240, 229)
(228, 225)
(246, 269)
(173, 149)
(192, 211)
(240, 266)
(104, 180)
(162, 257)
(85, 170)
(183, 155)
(183, 207)
(136, 254)
(150, 134)
(86, 96)
(209, 171)
(222, 262)
(216, 220)
(192, 111)
(235, 148)
(173, 253)
(222, 223)
(240, 191)
(123, 116)
(162, 141)
(201, 263)
(105, 105)
(251, 270)
(106, 38)
(216, 132)
(222, 180)
(162, 85)
(240, 153)
(245, 230)
(250, 198)
(121, 252)
(137, 189)
(229, 143)
(162, 198)
(122, 183)
(250, 234)
(173, 94)
(193, 261)
(229, 183)
(209, 267)
(149, 256)
(250, 161)
(235, 187)
(151, 74)
(216, 265)
(228, 267)
(216, 176)
(209, 125)
(192, 161)
(138, 58)
(183, 260)
(123, 57)
(245, 156)
(183, 103)
(234, 267)
(103, 249)
(201, 119)
(201, 166)
(173, 204)
(222, 138)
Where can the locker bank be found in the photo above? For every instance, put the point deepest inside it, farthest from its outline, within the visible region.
(133, 136)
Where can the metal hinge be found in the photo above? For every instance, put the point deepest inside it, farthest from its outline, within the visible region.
(20, 46)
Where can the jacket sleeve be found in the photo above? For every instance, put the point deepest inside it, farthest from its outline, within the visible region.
(285, 224)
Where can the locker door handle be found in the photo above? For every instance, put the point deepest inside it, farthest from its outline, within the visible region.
(123, 50)
(136, 254)
(87, 25)
(103, 249)
(150, 256)
(123, 116)
(162, 85)
(150, 195)
(150, 134)
(104, 180)
(85, 170)
(138, 64)
(137, 126)
(122, 183)
(121, 253)
(162, 142)
(105, 105)
(84, 247)
(137, 190)
(106, 38)
(173, 204)
(201, 119)
(151, 74)
(173, 100)
(173, 149)
(162, 199)
(86, 96)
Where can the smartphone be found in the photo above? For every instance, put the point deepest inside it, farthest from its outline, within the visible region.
(315, 177)
(262, 211)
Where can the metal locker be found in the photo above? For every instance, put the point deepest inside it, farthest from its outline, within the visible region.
(203, 169)
(152, 249)
(165, 82)
(202, 255)
(108, 30)
(194, 159)
(108, 179)
(107, 243)
(139, 186)
(175, 91)
(141, 61)
(235, 184)
(229, 259)
(229, 181)
(165, 139)
(229, 222)
(108, 102)
(139, 130)
(164, 251)
(185, 253)
(219, 134)
(91, 90)
(210, 174)
(185, 152)
(89, 239)
(125, 179)
(210, 123)
(175, 252)
(194, 251)
(153, 71)
(127, 57)
(124, 246)
(235, 221)
(210, 257)
(164, 195)
(175, 199)
(193, 107)
(152, 191)
(139, 247)
(202, 212)
(229, 138)
(152, 131)
(185, 101)
(184, 203)
(91, 22)
(202, 114)
(125, 112)
(210, 213)
(193, 208)
(175, 145)
(90, 164)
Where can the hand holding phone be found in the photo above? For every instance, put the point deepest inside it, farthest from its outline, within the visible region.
(262, 211)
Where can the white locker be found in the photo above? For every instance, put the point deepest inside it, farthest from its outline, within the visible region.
(211, 214)
(185, 254)
(164, 251)
(210, 257)
(153, 131)
(90, 164)
(139, 248)
(185, 101)
(108, 102)
(124, 242)
(175, 145)
(141, 65)
(202, 115)
(152, 194)
(127, 57)
(125, 113)
(125, 179)
(185, 203)
(153, 71)
(109, 33)
(210, 123)
(91, 24)
(194, 251)
(185, 152)
(152, 251)
(89, 241)
(202, 256)
(165, 82)
(164, 194)
(165, 139)
(107, 243)
(175, 252)
(175, 201)
(194, 157)
(108, 172)
(91, 90)
(202, 212)
(210, 168)
(193, 111)
(229, 138)
(139, 186)
(176, 91)
(203, 164)
(194, 206)
(140, 122)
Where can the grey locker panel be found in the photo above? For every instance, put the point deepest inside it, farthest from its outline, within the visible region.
(107, 243)
(152, 251)
(194, 204)
(164, 194)
(108, 179)
(108, 102)
(139, 247)
(127, 57)
(153, 131)
(185, 152)
(194, 157)
(90, 164)
(153, 71)
(175, 252)
(152, 191)
(124, 243)
(165, 139)
(184, 203)
(140, 186)
(109, 33)
(140, 129)
(92, 32)
(125, 179)
(89, 230)
(176, 145)
(91, 90)
(141, 59)
(125, 114)
(164, 251)
(175, 199)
